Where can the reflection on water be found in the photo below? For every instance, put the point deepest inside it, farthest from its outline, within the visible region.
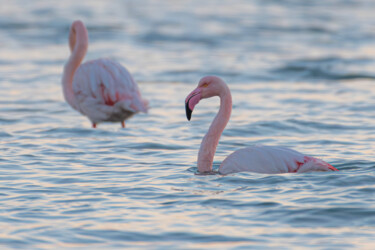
(301, 75)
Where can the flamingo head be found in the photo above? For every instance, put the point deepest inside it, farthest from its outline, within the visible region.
(78, 27)
(208, 86)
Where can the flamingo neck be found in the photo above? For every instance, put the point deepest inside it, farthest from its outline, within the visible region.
(211, 140)
(78, 40)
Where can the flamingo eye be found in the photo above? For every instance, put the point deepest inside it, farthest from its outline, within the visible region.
(205, 85)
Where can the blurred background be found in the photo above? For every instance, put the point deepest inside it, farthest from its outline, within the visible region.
(285, 40)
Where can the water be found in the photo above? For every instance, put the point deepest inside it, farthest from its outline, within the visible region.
(301, 75)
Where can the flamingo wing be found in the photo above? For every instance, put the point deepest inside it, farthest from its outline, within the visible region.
(271, 160)
(105, 91)
(314, 164)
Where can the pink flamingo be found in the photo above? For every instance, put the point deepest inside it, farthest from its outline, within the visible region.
(259, 159)
(101, 89)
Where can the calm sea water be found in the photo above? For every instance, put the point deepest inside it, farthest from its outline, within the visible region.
(302, 75)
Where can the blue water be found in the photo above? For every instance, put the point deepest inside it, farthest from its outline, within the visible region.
(302, 75)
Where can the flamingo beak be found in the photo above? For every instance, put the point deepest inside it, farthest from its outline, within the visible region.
(191, 100)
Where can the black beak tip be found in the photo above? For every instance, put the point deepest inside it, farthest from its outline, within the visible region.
(188, 111)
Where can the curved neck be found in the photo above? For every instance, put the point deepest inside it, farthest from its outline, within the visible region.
(78, 42)
(211, 140)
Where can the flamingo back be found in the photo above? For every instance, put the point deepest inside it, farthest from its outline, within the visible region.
(105, 91)
(271, 160)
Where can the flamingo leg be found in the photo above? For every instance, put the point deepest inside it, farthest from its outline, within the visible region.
(123, 124)
(94, 125)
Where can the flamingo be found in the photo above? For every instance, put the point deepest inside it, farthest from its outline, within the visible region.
(259, 158)
(101, 89)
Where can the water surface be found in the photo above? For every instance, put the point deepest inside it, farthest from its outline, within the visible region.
(301, 75)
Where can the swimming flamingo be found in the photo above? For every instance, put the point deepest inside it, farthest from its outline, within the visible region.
(259, 159)
(101, 89)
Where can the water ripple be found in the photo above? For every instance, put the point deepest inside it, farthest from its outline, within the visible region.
(301, 75)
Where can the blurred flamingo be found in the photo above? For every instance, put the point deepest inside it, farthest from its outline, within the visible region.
(259, 159)
(101, 89)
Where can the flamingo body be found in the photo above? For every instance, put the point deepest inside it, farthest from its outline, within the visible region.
(105, 91)
(101, 89)
(271, 160)
(259, 159)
